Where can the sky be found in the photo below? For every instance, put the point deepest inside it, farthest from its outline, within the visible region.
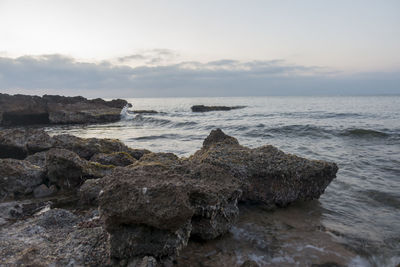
(200, 48)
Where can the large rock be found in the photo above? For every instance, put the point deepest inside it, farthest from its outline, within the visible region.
(267, 175)
(88, 147)
(68, 171)
(152, 206)
(54, 109)
(18, 143)
(18, 178)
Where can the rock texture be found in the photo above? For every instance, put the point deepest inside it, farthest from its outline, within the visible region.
(18, 143)
(18, 178)
(54, 109)
(132, 207)
(267, 175)
(202, 108)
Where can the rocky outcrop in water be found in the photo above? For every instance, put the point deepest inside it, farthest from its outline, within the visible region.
(54, 109)
(202, 108)
(266, 174)
(149, 204)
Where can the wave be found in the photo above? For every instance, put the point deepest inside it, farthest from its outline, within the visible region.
(154, 137)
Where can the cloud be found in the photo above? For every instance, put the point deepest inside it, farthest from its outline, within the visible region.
(65, 75)
(150, 57)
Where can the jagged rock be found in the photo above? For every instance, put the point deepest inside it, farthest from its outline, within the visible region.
(67, 170)
(54, 109)
(202, 108)
(44, 191)
(268, 175)
(90, 190)
(18, 143)
(38, 159)
(87, 147)
(152, 205)
(53, 238)
(20, 209)
(18, 178)
(116, 159)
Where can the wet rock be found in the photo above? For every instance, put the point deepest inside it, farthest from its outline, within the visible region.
(44, 191)
(67, 170)
(268, 175)
(18, 178)
(18, 143)
(202, 108)
(145, 112)
(116, 159)
(54, 109)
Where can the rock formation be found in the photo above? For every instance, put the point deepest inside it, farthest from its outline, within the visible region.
(202, 108)
(131, 206)
(54, 109)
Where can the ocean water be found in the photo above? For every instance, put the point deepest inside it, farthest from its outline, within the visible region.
(356, 222)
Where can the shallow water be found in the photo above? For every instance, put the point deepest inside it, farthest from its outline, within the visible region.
(356, 221)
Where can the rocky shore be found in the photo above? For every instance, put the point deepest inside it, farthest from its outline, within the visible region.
(55, 109)
(66, 200)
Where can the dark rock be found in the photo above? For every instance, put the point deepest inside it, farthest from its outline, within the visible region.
(38, 159)
(202, 108)
(249, 263)
(54, 109)
(268, 175)
(44, 191)
(116, 159)
(18, 178)
(57, 218)
(18, 143)
(145, 112)
(149, 208)
(53, 238)
(67, 170)
(90, 190)
(13, 210)
(22, 110)
(146, 261)
(87, 147)
(141, 240)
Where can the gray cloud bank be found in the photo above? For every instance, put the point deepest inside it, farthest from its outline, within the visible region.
(57, 74)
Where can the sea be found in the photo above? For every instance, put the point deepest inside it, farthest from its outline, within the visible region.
(356, 222)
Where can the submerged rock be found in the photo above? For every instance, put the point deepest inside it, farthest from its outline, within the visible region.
(202, 108)
(267, 175)
(54, 109)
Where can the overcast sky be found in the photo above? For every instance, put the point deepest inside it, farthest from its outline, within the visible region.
(200, 48)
